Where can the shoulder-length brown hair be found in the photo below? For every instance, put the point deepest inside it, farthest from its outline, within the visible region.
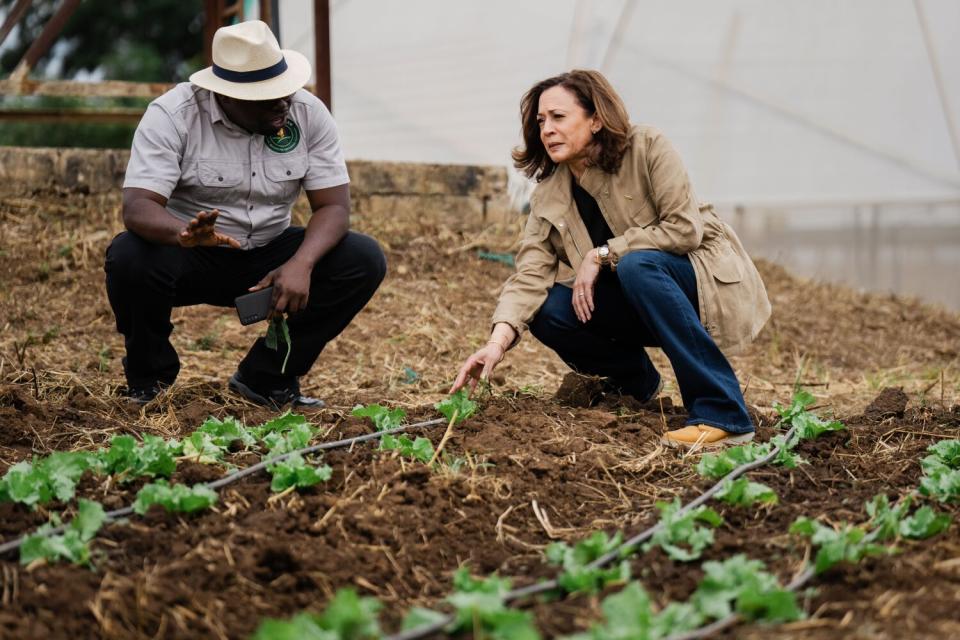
(596, 95)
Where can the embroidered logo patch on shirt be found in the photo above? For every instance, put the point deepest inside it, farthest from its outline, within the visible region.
(284, 140)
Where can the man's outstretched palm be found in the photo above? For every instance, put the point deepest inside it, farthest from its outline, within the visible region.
(201, 232)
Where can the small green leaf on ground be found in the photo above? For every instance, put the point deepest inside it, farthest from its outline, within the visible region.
(294, 471)
(178, 497)
(458, 404)
(382, 417)
(73, 544)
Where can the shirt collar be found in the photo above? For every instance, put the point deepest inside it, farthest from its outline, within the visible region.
(217, 114)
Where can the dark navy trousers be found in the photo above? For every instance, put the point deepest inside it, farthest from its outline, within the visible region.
(146, 280)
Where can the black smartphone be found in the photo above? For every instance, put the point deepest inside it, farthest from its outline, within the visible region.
(254, 307)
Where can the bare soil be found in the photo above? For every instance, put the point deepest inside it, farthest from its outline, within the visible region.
(393, 529)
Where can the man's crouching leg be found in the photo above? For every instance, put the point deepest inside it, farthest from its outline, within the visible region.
(141, 279)
(341, 284)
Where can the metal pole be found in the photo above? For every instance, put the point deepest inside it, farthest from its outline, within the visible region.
(13, 18)
(622, 23)
(321, 31)
(46, 38)
(211, 22)
(938, 80)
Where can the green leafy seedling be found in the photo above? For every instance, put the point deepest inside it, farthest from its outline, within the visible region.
(480, 607)
(280, 424)
(892, 522)
(847, 544)
(744, 493)
(178, 498)
(347, 617)
(203, 448)
(293, 439)
(419, 449)
(630, 615)
(54, 476)
(457, 407)
(682, 529)
(225, 432)
(73, 545)
(128, 460)
(294, 472)
(741, 585)
(577, 575)
(383, 418)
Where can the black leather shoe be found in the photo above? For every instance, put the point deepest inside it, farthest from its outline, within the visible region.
(141, 395)
(276, 398)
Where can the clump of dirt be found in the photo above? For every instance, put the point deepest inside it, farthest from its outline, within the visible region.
(890, 403)
(578, 390)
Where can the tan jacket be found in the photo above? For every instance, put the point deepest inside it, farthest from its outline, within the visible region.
(648, 204)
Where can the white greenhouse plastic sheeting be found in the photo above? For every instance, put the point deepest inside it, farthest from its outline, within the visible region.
(813, 101)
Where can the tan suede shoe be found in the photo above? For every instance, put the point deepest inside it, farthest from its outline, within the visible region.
(701, 436)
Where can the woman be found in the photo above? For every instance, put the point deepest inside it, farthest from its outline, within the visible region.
(653, 266)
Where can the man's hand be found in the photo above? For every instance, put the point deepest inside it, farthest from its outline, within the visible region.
(291, 286)
(583, 286)
(201, 232)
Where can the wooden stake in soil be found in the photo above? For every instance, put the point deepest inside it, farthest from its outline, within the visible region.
(446, 436)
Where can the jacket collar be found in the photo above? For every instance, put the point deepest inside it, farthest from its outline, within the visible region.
(554, 197)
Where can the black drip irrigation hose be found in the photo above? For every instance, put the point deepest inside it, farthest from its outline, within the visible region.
(243, 473)
(550, 585)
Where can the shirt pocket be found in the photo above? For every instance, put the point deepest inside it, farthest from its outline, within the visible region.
(215, 174)
(284, 176)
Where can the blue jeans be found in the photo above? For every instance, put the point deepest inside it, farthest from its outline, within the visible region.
(650, 301)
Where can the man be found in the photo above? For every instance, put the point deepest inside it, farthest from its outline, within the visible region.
(215, 168)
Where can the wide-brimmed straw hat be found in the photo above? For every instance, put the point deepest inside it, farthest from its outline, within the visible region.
(248, 64)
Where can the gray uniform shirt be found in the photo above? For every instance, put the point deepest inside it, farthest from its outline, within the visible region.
(186, 150)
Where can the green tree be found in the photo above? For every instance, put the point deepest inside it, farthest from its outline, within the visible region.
(138, 40)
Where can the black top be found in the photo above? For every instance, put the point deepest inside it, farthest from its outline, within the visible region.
(589, 210)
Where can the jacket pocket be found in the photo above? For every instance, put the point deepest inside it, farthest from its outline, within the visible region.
(726, 267)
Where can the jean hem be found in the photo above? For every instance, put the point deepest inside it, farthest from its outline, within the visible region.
(729, 428)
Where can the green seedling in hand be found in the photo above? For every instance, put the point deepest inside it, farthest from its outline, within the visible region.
(278, 331)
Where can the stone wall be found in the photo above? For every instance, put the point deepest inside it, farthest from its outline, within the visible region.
(470, 194)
